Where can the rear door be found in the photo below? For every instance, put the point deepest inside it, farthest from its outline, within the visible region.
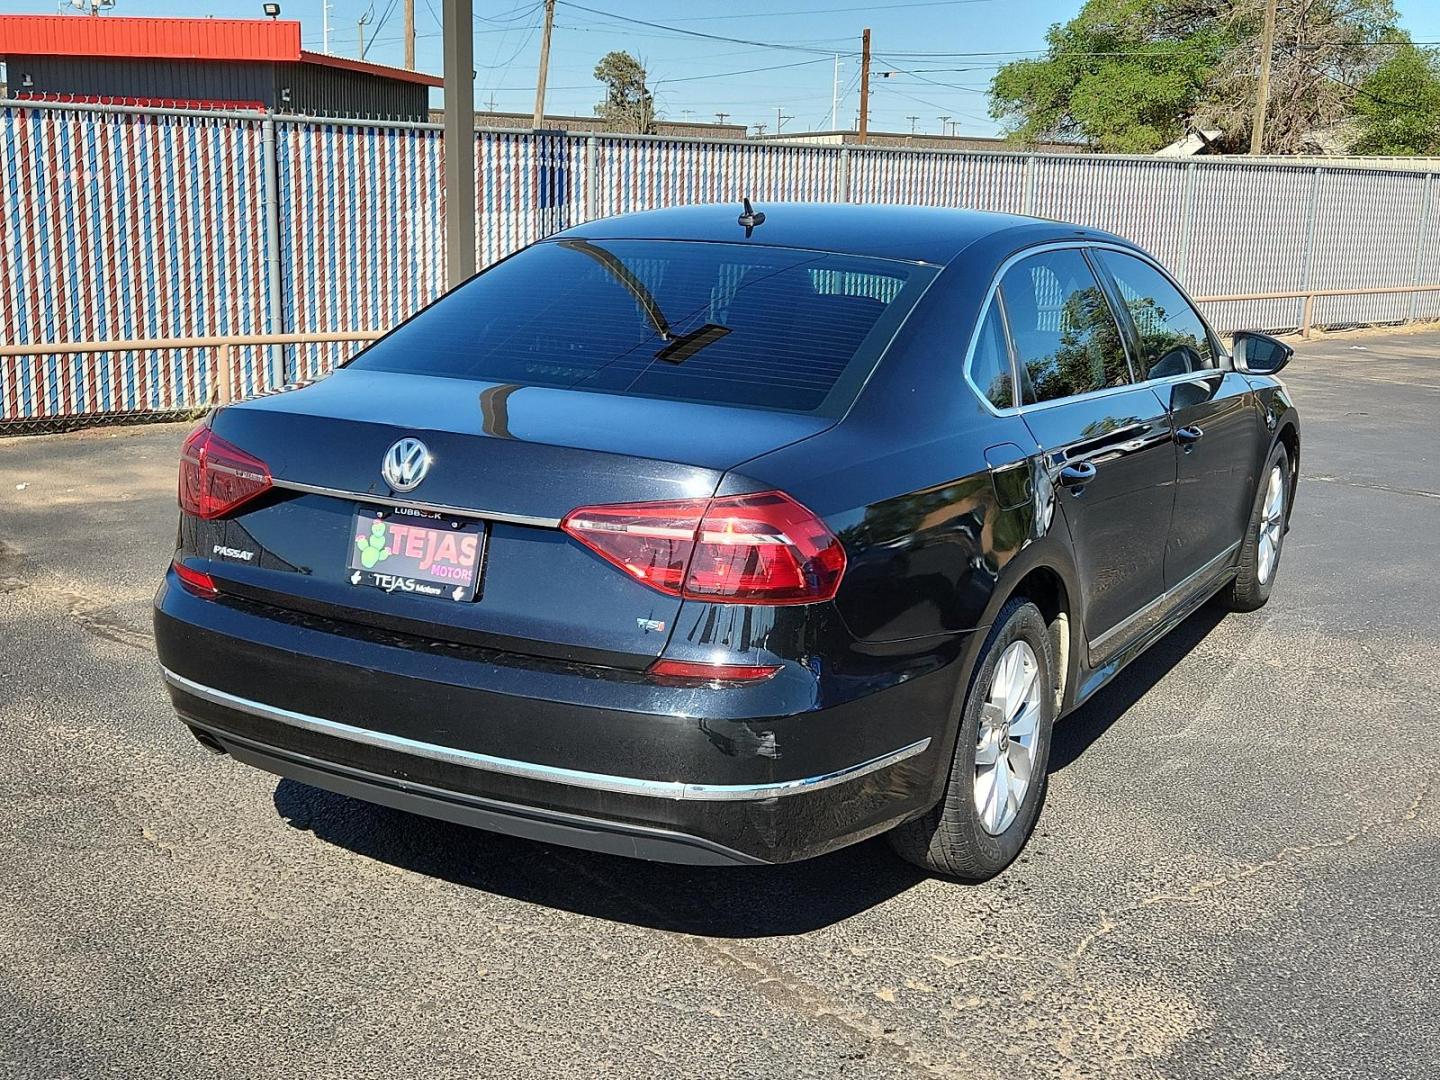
(1107, 440)
(1217, 426)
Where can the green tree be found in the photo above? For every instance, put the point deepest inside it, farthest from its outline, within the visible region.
(1134, 75)
(1397, 109)
(628, 104)
(1124, 76)
(1323, 49)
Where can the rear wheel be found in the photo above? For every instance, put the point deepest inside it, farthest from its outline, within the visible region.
(998, 775)
(1260, 551)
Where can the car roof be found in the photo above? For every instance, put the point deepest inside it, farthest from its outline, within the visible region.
(932, 234)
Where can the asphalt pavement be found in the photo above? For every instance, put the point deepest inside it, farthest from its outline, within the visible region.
(1237, 872)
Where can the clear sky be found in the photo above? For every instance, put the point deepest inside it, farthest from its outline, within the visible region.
(695, 76)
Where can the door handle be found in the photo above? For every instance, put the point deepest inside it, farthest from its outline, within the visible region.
(1188, 436)
(1077, 476)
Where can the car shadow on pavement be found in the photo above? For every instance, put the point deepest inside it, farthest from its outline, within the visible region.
(1083, 728)
(722, 902)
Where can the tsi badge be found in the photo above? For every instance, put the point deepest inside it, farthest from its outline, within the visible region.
(405, 464)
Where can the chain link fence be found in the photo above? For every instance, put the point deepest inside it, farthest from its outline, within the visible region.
(125, 225)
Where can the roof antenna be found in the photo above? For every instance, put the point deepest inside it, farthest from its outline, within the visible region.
(750, 218)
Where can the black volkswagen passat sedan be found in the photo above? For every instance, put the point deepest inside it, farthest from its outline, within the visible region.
(724, 539)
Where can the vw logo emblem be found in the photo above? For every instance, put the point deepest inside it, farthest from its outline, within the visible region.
(405, 464)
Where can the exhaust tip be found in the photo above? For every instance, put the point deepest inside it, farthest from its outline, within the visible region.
(208, 741)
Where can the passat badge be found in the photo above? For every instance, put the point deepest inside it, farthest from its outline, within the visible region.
(405, 464)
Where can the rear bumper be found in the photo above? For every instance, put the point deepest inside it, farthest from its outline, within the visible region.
(530, 822)
(560, 756)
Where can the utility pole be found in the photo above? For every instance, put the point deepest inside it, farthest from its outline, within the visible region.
(325, 33)
(539, 120)
(912, 120)
(410, 35)
(835, 97)
(759, 130)
(720, 117)
(864, 85)
(458, 44)
(1262, 92)
(360, 28)
(780, 119)
(943, 121)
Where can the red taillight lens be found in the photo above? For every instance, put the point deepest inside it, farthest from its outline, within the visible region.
(649, 541)
(741, 549)
(216, 477)
(195, 580)
(686, 671)
(764, 549)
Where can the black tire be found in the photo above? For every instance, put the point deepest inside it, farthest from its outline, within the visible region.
(1246, 591)
(950, 839)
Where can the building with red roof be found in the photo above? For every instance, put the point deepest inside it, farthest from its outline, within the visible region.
(200, 63)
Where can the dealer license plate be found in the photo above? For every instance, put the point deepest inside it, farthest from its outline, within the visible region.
(416, 551)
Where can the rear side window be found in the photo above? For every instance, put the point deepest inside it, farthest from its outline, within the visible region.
(709, 322)
(990, 363)
(1173, 338)
(1066, 338)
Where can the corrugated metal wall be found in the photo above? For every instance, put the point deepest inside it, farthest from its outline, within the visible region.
(319, 90)
(119, 78)
(122, 225)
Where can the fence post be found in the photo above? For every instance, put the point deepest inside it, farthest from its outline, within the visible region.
(275, 354)
(1187, 222)
(592, 169)
(1307, 274)
(842, 181)
(1027, 198)
(1421, 227)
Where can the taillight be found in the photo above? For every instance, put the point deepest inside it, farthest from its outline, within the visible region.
(741, 549)
(216, 477)
(197, 581)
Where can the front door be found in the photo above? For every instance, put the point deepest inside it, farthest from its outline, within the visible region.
(1107, 441)
(1218, 430)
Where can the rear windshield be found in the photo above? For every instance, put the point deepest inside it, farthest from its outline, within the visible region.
(711, 322)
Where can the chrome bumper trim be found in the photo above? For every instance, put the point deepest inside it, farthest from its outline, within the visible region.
(552, 774)
(416, 504)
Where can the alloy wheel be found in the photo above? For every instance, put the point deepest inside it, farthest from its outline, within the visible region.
(1272, 525)
(1005, 740)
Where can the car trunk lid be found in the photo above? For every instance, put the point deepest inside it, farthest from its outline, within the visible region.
(516, 460)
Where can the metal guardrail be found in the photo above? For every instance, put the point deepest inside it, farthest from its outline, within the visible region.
(1307, 316)
(225, 382)
(70, 348)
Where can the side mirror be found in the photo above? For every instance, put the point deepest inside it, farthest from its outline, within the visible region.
(1260, 354)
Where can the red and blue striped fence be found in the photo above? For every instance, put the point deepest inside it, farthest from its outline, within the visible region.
(125, 224)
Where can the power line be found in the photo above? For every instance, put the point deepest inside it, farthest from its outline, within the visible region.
(744, 71)
(700, 33)
(878, 8)
(514, 15)
(513, 56)
(936, 82)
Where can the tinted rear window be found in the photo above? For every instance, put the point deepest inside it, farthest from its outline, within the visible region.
(725, 323)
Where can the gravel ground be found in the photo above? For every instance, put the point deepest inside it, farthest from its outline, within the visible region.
(1236, 873)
